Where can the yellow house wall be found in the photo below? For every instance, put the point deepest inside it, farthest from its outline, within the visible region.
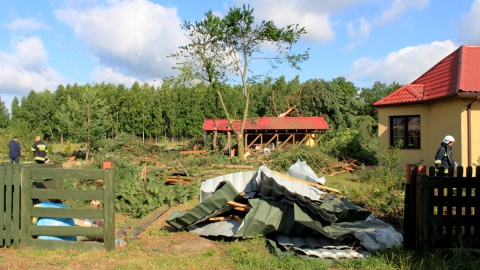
(437, 119)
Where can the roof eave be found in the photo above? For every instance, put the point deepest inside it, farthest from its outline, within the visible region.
(424, 101)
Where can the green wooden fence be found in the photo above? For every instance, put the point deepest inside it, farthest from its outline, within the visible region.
(10, 203)
(442, 210)
(23, 186)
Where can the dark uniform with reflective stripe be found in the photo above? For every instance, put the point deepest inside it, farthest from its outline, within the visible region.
(443, 158)
(39, 150)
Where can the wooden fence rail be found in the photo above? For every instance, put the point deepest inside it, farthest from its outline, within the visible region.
(442, 210)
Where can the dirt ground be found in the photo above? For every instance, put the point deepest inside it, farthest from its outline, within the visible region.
(156, 237)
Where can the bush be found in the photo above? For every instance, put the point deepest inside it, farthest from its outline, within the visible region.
(349, 144)
(383, 193)
(67, 149)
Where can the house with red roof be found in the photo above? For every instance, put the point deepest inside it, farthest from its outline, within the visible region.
(279, 131)
(445, 100)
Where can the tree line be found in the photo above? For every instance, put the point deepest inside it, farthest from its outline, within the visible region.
(87, 113)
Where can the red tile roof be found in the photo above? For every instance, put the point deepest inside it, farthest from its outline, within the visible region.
(269, 123)
(457, 73)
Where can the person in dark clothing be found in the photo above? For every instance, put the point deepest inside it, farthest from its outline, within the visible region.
(39, 149)
(14, 150)
(443, 158)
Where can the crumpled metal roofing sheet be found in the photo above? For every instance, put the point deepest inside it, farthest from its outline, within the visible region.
(310, 241)
(335, 230)
(293, 186)
(242, 181)
(380, 238)
(321, 247)
(219, 199)
(218, 228)
(267, 217)
(270, 189)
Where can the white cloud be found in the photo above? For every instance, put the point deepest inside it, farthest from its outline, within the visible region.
(25, 25)
(314, 15)
(133, 38)
(470, 32)
(359, 29)
(110, 74)
(402, 66)
(398, 8)
(26, 67)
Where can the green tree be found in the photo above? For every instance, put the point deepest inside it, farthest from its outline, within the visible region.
(374, 94)
(227, 46)
(4, 115)
(85, 117)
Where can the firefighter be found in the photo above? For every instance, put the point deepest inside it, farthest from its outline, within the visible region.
(443, 158)
(39, 149)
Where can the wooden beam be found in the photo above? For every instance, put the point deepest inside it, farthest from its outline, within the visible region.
(254, 140)
(269, 141)
(201, 152)
(232, 166)
(239, 205)
(289, 137)
(319, 186)
(305, 137)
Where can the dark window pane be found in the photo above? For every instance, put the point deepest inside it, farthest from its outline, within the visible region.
(405, 131)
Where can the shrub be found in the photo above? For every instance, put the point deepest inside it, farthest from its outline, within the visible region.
(67, 149)
(349, 144)
(383, 193)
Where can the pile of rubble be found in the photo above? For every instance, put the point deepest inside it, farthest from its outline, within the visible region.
(294, 211)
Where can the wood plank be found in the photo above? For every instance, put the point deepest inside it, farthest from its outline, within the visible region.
(67, 194)
(236, 204)
(177, 180)
(191, 152)
(67, 231)
(53, 173)
(221, 218)
(55, 194)
(16, 206)
(232, 166)
(2, 202)
(319, 186)
(67, 212)
(66, 245)
(109, 209)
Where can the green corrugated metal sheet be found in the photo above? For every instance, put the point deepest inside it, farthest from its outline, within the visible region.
(225, 192)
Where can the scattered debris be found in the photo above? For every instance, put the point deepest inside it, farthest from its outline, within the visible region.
(296, 212)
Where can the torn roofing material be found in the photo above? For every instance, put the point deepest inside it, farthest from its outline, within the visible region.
(242, 181)
(226, 192)
(320, 247)
(293, 186)
(281, 205)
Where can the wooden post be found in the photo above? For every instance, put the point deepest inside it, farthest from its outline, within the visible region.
(26, 205)
(109, 210)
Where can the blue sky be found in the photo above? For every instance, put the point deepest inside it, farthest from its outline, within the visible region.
(44, 43)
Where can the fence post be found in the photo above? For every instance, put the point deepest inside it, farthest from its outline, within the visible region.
(109, 209)
(423, 210)
(26, 187)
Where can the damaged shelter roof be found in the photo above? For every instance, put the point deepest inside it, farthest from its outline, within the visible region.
(269, 123)
(300, 216)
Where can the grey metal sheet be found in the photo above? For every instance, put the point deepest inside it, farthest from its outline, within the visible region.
(242, 181)
(321, 247)
(310, 241)
(293, 186)
(333, 253)
(218, 228)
